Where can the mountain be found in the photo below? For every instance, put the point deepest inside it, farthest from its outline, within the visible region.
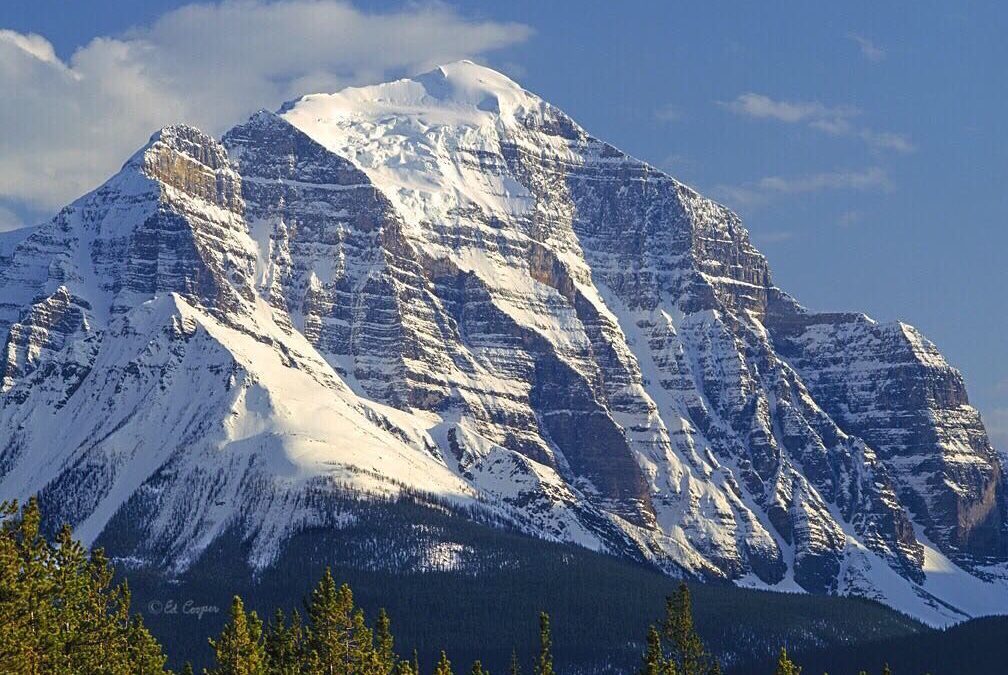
(443, 288)
(488, 608)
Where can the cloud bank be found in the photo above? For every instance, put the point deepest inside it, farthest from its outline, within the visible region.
(764, 107)
(70, 124)
(869, 49)
(761, 192)
(833, 120)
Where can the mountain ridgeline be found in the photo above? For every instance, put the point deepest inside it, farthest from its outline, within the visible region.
(443, 287)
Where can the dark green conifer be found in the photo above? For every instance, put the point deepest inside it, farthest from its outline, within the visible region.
(443, 665)
(239, 650)
(515, 668)
(59, 609)
(340, 640)
(786, 666)
(384, 644)
(544, 666)
(686, 650)
(655, 662)
(145, 655)
(285, 644)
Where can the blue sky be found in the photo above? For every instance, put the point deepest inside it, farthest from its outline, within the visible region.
(864, 143)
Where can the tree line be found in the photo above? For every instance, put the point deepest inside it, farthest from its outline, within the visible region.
(61, 612)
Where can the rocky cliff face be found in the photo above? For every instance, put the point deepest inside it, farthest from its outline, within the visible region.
(890, 386)
(445, 286)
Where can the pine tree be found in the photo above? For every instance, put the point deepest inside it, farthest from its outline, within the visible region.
(786, 666)
(24, 587)
(145, 654)
(187, 669)
(59, 609)
(686, 650)
(544, 666)
(885, 670)
(477, 669)
(285, 644)
(361, 656)
(655, 662)
(239, 650)
(515, 668)
(340, 641)
(443, 665)
(384, 644)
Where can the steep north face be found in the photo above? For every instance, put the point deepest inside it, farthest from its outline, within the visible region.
(444, 286)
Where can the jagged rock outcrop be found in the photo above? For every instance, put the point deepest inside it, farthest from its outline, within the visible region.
(890, 386)
(444, 285)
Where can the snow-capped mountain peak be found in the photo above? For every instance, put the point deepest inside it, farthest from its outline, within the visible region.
(443, 286)
(459, 93)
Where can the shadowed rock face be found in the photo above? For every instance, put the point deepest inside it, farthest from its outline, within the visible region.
(446, 285)
(889, 385)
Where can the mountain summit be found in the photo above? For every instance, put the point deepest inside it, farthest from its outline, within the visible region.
(443, 287)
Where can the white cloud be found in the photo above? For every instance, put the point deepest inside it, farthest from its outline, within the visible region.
(69, 125)
(886, 140)
(762, 106)
(669, 113)
(833, 120)
(758, 193)
(9, 220)
(869, 49)
(872, 178)
(34, 45)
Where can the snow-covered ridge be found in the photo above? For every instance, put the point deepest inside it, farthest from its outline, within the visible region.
(461, 94)
(407, 136)
(445, 285)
